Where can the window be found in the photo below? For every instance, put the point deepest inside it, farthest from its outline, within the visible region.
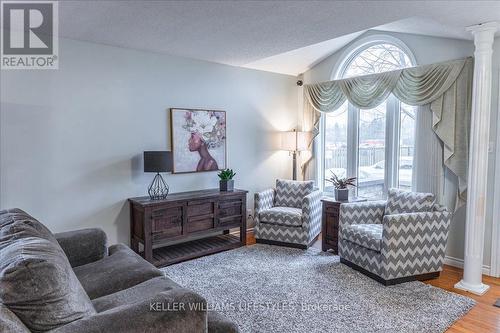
(375, 145)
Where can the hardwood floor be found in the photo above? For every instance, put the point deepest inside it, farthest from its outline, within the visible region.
(483, 318)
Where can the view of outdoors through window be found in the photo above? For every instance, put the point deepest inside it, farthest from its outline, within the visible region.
(406, 145)
(371, 152)
(377, 59)
(336, 143)
(372, 140)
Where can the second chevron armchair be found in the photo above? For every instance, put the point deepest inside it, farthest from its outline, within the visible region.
(288, 215)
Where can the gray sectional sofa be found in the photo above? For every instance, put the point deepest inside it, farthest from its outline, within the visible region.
(72, 282)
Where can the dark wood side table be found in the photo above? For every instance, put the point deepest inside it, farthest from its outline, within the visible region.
(330, 223)
(187, 225)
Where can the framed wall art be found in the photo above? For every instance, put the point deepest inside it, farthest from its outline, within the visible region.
(198, 140)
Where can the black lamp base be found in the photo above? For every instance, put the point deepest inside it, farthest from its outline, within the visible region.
(158, 189)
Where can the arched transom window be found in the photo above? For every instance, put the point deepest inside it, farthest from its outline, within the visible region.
(375, 145)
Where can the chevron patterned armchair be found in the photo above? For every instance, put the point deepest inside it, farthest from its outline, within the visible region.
(394, 241)
(288, 215)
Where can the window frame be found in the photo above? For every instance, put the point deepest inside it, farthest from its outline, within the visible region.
(393, 118)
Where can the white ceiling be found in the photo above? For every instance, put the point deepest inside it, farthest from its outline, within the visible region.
(279, 36)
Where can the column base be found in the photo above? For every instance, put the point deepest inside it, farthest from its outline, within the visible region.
(478, 289)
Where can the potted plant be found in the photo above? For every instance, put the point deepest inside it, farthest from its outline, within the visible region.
(226, 182)
(341, 186)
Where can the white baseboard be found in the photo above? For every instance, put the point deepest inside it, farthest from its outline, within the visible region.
(456, 262)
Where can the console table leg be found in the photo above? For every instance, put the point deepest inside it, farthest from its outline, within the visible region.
(148, 250)
(134, 245)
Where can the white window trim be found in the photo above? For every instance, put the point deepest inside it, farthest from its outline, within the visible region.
(393, 115)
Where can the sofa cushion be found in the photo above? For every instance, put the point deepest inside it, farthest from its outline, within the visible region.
(400, 202)
(122, 269)
(39, 286)
(142, 291)
(289, 193)
(366, 235)
(17, 224)
(287, 216)
(10, 323)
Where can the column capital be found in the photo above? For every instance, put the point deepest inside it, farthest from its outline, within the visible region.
(484, 35)
(484, 27)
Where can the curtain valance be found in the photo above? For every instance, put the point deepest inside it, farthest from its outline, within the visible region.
(445, 86)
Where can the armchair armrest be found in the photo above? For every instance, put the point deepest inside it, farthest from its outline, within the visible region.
(173, 311)
(369, 212)
(414, 242)
(263, 200)
(311, 213)
(83, 246)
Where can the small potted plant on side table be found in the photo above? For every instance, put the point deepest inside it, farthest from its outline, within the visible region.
(341, 186)
(226, 183)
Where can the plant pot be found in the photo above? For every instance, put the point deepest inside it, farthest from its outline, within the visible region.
(341, 194)
(226, 185)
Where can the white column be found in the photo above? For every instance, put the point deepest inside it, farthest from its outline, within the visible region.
(478, 159)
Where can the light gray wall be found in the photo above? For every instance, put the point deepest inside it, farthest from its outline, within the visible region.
(72, 139)
(429, 50)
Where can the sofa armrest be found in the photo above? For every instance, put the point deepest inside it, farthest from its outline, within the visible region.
(414, 243)
(263, 200)
(217, 323)
(311, 213)
(83, 246)
(174, 311)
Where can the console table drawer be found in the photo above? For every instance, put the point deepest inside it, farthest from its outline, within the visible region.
(231, 221)
(230, 208)
(202, 223)
(168, 221)
(202, 208)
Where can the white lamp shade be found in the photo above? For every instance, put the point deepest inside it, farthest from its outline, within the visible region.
(295, 141)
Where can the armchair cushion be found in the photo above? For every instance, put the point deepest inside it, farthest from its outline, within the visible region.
(287, 216)
(122, 269)
(289, 193)
(366, 235)
(399, 202)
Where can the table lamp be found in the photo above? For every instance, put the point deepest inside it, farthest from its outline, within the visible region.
(158, 161)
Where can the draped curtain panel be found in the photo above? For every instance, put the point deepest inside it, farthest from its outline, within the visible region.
(446, 87)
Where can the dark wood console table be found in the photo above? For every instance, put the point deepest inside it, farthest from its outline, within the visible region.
(205, 216)
(330, 223)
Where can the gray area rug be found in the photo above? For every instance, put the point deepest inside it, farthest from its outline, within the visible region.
(268, 288)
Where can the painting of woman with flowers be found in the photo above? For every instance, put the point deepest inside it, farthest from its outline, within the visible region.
(198, 140)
